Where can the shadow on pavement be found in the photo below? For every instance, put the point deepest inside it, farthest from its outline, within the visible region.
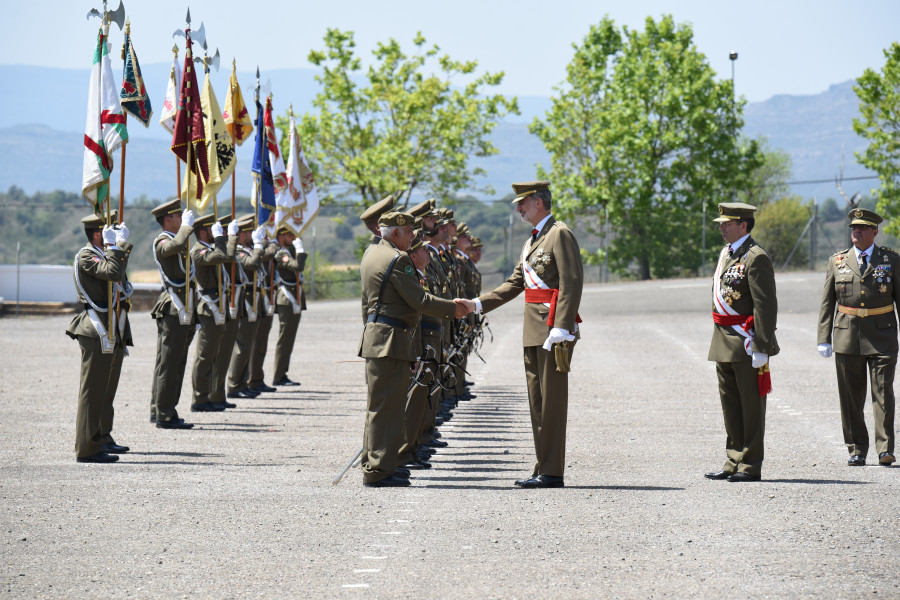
(816, 481)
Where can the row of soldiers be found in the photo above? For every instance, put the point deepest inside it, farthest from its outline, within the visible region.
(443, 256)
(238, 280)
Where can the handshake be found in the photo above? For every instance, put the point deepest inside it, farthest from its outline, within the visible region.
(464, 307)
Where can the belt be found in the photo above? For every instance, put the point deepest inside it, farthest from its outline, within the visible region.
(431, 326)
(372, 318)
(543, 295)
(865, 312)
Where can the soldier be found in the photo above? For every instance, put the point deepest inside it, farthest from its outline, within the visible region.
(475, 257)
(744, 312)
(859, 282)
(290, 260)
(264, 318)
(371, 215)
(551, 275)
(212, 251)
(248, 259)
(173, 312)
(394, 298)
(102, 260)
(467, 290)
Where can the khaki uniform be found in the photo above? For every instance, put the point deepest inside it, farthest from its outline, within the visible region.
(557, 259)
(264, 319)
(863, 345)
(438, 270)
(92, 270)
(247, 261)
(214, 342)
(288, 276)
(174, 338)
(388, 345)
(747, 282)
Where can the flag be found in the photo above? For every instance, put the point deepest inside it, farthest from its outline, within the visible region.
(133, 95)
(104, 130)
(262, 197)
(279, 177)
(170, 105)
(236, 115)
(189, 132)
(299, 203)
(219, 150)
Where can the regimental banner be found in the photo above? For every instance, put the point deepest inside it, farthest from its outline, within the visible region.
(237, 117)
(133, 95)
(189, 137)
(170, 105)
(299, 203)
(262, 196)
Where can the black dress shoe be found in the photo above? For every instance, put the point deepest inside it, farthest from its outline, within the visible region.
(543, 481)
(114, 448)
(227, 404)
(241, 394)
(153, 418)
(738, 477)
(401, 473)
(207, 407)
(857, 460)
(415, 465)
(886, 459)
(523, 480)
(100, 457)
(388, 482)
(263, 388)
(174, 424)
(284, 381)
(717, 475)
(436, 444)
(421, 455)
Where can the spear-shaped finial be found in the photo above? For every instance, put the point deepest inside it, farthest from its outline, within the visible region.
(257, 83)
(188, 17)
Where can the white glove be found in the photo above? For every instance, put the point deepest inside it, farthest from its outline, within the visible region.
(258, 235)
(121, 233)
(187, 218)
(825, 350)
(109, 235)
(298, 245)
(217, 230)
(233, 228)
(759, 359)
(556, 336)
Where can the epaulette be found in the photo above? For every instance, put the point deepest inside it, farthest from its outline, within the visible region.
(886, 249)
(841, 252)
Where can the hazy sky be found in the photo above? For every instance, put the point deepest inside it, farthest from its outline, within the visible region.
(785, 47)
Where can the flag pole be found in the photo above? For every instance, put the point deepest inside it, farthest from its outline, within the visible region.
(109, 285)
(291, 111)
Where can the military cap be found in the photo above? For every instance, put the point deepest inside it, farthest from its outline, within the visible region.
(283, 228)
(245, 223)
(476, 242)
(732, 211)
(396, 219)
(425, 209)
(225, 219)
(377, 209)
(167, 208)
(444, 215)
(864, 216)
(523, 190)
(204, 221)
(99, 221)
(416, 242)
(462, 230)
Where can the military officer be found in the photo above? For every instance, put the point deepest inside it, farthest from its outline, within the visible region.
(475, 257)
(248, 257)
(859, 283)
(173, 312)
(552, 276)
(102, 260)
(745, 309)
(371, 215)
(394, 298)
(213, 250)
(290, 260)
(264, 318)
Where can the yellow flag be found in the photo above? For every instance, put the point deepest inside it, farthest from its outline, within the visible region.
(219, 148)
(237, 118)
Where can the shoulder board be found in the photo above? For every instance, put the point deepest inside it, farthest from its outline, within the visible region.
(843, 252)
(886, 249)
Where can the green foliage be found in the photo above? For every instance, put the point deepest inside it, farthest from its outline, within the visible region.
(334, 282)
(778, 227)
(403, 130)
(829, 210)
(879, 122)
(343, 231)
(768, 182)
(642, 126)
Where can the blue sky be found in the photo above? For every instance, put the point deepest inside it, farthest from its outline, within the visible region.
(786, 47)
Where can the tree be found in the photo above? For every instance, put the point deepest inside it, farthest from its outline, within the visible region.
(398, 129)
(642, 127)
(778, 227)
(879, 122)
(769, 181)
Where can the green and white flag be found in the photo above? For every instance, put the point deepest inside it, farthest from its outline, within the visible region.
(104, 130)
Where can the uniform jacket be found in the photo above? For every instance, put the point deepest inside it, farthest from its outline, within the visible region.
(249, 259)
(171, 253)
(845, 285)
(207, 262)
(289, 266)
(404, 299)
(95, 273)
(557, 259)
(747, 279)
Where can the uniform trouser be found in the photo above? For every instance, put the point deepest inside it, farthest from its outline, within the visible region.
(851, 376)
(288, 323)
(416, 405)
(172, 343)
(432, 408)
(745, 417)
(99, 381)
(239, 371)
(388, 381)
(209, 340)
(548, 398)
(258, 350)
(223, 358)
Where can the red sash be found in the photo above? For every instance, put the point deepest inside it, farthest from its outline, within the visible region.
(763, 377)
(542, 296)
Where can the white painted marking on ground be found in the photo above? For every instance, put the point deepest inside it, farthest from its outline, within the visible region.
(374, 557)
(391, 533)
(366, 570)
(355, 585)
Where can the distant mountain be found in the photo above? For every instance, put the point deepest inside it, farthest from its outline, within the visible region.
(41, 140)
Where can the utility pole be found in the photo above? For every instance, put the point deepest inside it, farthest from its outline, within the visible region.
(813, 236)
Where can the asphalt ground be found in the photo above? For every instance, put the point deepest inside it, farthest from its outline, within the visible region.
(243, 505)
